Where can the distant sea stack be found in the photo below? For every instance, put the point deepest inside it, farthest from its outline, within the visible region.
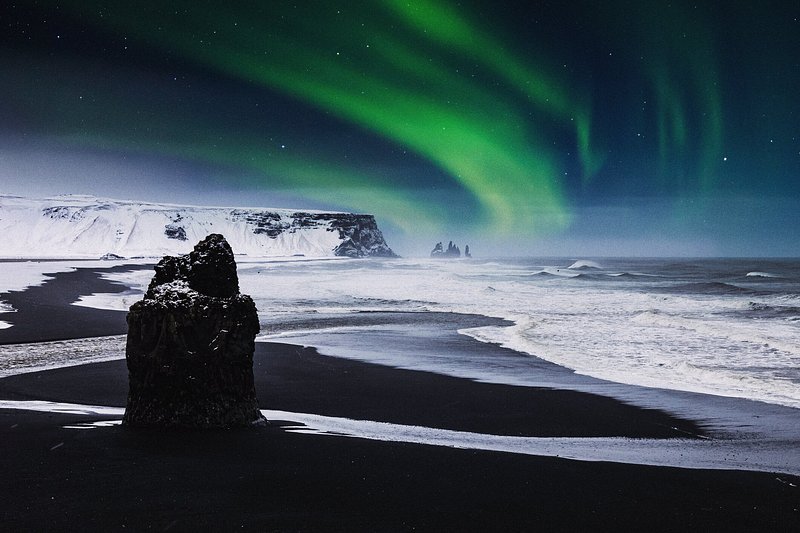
(190, 345)
(452, 251)
(89, 227)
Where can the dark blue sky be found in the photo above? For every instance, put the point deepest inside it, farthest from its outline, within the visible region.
(577, 128)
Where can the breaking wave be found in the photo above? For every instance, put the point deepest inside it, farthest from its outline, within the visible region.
(761, 275)
(585, 264)
(711, 288)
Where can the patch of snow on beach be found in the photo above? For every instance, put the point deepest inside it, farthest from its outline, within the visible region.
(136, 281)
(110, 302)
(19, 275)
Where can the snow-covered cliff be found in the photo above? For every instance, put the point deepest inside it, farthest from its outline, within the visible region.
(85, 226)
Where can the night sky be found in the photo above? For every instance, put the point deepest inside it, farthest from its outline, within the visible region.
(548, 128)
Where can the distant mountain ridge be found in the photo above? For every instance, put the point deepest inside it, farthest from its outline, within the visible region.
(91, 227)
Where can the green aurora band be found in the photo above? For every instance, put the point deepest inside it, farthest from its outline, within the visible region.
(430, 78)
(359, 66)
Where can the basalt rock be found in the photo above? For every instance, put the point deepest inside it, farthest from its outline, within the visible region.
(452, 251)
(190, 345)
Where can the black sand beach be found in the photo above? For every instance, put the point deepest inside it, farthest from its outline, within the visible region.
(270, 479)
(44, 313)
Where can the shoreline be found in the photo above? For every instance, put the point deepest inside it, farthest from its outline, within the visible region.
(413, 330)
(299, 379)
(353, 398)
(103, 476)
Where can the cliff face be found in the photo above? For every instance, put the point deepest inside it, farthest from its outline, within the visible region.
(82, 226)
(359, 235)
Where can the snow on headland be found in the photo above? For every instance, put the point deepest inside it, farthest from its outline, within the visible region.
(76, 226)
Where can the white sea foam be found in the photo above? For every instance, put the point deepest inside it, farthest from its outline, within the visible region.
(63, 408)
(634, 330)
(740, 454)
(773, 456)
(691, 342)
(36, 356)
(5, 325)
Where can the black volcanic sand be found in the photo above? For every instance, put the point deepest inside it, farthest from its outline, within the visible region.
(44, 313)
(297, 379)
(106, 479)
(269, 479)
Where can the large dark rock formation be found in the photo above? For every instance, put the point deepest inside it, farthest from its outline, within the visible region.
(190, 344)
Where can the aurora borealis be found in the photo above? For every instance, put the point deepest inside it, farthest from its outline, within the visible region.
(619, 127)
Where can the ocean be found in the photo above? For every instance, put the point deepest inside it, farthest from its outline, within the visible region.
(728, 327)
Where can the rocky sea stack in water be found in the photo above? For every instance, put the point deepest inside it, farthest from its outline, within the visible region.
(452, 251)
(190, 344)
